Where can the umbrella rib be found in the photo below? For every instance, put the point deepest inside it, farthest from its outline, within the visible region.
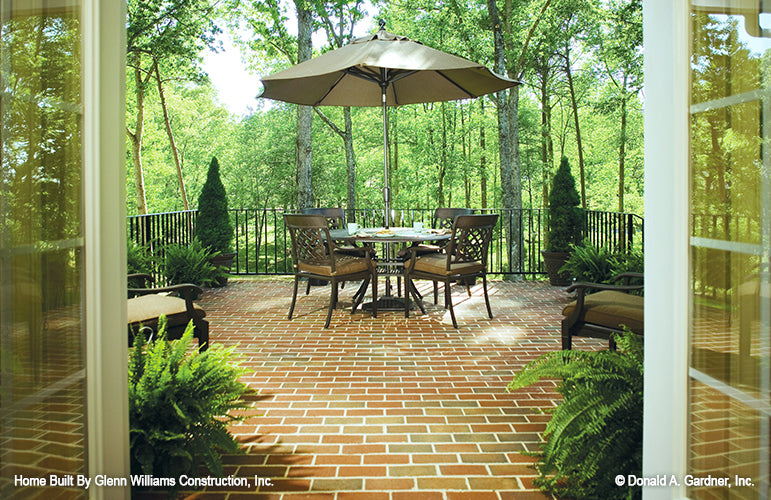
(399, 76)
(359, 73)
(330, 89)
(455, 84)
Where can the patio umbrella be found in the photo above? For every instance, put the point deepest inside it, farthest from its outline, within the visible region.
(382, 70)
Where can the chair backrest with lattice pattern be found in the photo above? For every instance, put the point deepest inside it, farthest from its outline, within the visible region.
(470, 241)
(310, 239)
(335, 216)
(444, 217)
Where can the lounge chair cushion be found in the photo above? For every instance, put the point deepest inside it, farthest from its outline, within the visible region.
(612, 309)
(437, 264)
(344, 264)
(147, 308)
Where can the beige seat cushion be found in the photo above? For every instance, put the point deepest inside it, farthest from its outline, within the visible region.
(147, 308)
(437, 264)
(612, 309)
(345, 264)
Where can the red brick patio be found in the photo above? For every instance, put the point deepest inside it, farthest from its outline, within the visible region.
(387, 408)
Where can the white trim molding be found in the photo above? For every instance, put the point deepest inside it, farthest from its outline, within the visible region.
(103, 84)
(665, 418)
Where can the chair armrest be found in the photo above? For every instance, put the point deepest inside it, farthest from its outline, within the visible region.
(364, 251)
(627, 277)
(582, 287)
(187, 290)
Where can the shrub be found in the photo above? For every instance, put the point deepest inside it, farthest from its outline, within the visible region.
(566, 217)
(138, 258)
(213, 228)
(595, 433)
(595, 264)
(189, 264)
(632, 261)
(180, 404)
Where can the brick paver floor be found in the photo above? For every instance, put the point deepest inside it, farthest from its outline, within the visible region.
(387, 408)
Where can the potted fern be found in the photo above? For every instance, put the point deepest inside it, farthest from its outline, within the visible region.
(181, 402)
(566, 224)
(595, 433)
(213, 228)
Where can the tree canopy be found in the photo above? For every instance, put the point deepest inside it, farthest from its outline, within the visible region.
(580, 98)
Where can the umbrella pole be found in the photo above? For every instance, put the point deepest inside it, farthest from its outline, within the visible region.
(387, 188)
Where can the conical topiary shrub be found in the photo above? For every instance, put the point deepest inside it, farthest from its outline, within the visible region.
(566, 223)
(213, 228)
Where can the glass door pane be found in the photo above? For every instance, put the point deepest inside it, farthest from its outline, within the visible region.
(42, 360)
(730, 223)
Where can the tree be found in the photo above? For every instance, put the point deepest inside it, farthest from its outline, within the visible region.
(339, 32)
(213, 228)
(620, 54)
(175, 30)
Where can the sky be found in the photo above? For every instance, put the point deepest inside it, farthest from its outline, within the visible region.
(237, 88)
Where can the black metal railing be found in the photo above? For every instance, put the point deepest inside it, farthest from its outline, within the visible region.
(263, 247)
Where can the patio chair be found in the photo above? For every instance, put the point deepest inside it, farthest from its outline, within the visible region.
(604, 313)
(146, 305)
(335, 220)
(465, 257)
(315, 255)
(442, 219)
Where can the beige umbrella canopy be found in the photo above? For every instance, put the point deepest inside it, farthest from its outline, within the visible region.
(382, 70)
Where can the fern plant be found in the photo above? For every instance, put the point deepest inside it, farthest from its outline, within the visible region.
(138, 258)
(595, 433)
(595, 264)
(190, 264)
(180, 404)
(589, 263)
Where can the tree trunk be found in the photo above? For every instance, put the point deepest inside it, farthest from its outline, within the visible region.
(172, 144)
(304, 113)
(136, 138)
(483, 156)
(350, 164)
(622, 153)
(574, 104)
(547, 148)
(504, 138)
(516, 181)
(443, 159)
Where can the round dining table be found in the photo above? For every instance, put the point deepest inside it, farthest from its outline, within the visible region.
(388, 265)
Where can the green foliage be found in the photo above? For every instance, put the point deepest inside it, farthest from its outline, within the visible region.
(138, 258)
(628, 262)
(566, 218)
(180, 404)
(595, 433)
(189, 264)
(595, 264)
(432, 145)
(213, 227)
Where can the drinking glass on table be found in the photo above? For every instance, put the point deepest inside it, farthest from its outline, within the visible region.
(353, 228)
(417, 227)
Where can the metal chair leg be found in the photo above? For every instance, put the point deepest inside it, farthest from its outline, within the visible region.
(359, 295)
(487, 299)
(418, 298)
(294, 297)
(332, 302)
(374, 295)
(448, 302)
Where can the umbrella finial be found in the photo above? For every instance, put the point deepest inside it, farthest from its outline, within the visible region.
(381, 24)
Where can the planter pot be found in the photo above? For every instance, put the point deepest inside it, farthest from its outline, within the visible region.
(554, 262)
(223, 260)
